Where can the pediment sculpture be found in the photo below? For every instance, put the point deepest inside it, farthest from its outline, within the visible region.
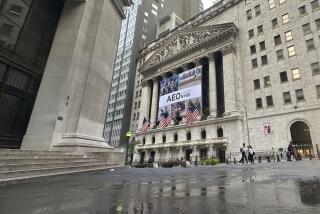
(185, 40)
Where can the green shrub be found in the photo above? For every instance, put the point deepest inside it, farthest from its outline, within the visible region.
(209, 161)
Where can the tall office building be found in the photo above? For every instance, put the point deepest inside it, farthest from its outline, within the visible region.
(138, 29)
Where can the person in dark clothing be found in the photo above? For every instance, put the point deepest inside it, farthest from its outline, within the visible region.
(243, 153)
(251, 154)
(290, 152)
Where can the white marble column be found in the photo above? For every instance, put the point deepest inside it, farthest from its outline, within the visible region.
(228, 53)
(212, 86)
(154, 105)
(145, 100)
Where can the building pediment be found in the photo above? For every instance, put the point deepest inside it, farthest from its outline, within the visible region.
(185, 41)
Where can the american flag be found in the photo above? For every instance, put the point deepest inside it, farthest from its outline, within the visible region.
(145, 125)
(165, 120)
(192, 114)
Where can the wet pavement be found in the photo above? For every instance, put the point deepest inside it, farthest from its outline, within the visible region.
(262, 188)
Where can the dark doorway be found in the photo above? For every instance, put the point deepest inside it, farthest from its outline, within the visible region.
(188, 154)
(142, 157)
(222, 155)
(203, 153)
(203, 134)
(152, 157)
(301, 138)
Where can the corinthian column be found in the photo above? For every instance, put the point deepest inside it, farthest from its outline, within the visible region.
(212, 86)
(154, 105)
(145, 99)
(228, 53)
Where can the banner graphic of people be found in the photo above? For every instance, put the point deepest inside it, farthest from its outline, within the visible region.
(180, 91)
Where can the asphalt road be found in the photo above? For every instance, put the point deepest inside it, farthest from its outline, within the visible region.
(262, 188)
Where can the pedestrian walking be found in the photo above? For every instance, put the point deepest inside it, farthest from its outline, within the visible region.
(251, 154)
(290, 152)
(243, 151)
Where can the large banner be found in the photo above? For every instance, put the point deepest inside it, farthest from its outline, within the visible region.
(181, 92)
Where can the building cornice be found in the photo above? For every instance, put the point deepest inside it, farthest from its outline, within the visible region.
(119, 4)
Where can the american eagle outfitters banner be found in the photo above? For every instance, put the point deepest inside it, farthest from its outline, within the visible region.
(180, 93)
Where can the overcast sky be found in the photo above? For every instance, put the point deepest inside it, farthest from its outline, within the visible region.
(207, 3)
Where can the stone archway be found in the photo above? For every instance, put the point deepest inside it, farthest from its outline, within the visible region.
(301, 138)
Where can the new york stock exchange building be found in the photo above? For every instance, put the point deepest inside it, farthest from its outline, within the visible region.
(249, 86)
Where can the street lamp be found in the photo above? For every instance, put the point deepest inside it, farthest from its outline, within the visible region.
(245, 108)
(129, 135)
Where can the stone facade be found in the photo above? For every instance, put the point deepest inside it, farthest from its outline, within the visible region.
(70, 107)
(224, 30)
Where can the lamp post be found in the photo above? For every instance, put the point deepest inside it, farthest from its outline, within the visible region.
(129, 135)
(245, 108)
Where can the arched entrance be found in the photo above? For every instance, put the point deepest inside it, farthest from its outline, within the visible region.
(301, 139)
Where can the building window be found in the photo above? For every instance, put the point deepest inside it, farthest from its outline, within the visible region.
(285, 18)
(220, 132)
(271, 4)
(247, 1)
(277, 40)
(310, 44)
(267, 81)
(269, 100)
(175, 137)
(306, 29)
(262, 46)
(279, 54)
(257, 10)
(282, 1)
(295, 74)
(164, 138)
(318, 90)
(259, 103)
(299, 95)
(203, 134)
(289, 36)
(146, 14)
(143, 141)
(188, 135)
(302, 10)
(260, 29)
(283, 77)
(264, 60)
(254, 63)
(153, 139)
(291, 51)
(253, 49)
(275, 23)
(287, 97)
(315, 68)
(249, 14)
(251, 33)
(256, 84)
(315, 5)
(317, 21)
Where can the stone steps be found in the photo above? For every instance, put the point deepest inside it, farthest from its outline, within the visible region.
(24, 166)
(21, 165)
(35, 160)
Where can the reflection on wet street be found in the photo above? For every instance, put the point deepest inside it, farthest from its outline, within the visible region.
(265, 188)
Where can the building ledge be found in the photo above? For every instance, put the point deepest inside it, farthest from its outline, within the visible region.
(215, 142)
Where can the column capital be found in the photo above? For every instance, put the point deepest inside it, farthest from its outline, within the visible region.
(211, 56)
(228, 49)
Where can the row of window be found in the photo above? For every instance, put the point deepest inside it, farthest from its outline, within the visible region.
(286, 98)
(188, 136)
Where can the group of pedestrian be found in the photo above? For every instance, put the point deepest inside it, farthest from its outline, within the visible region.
(247, 150)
